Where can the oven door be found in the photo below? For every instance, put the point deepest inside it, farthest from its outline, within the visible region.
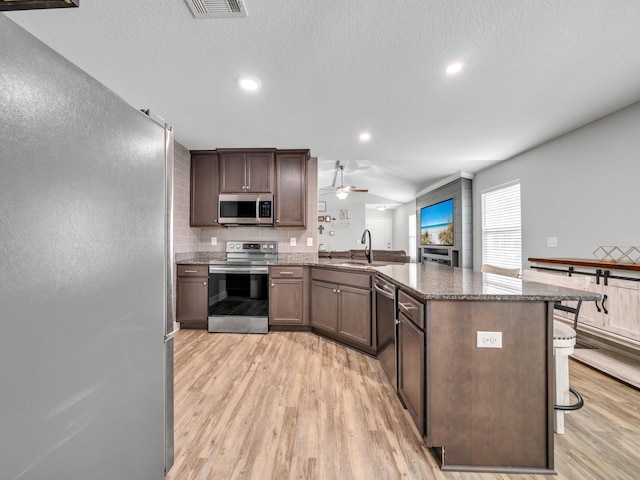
(238, 298)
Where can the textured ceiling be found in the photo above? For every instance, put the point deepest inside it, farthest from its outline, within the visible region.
(330, 69)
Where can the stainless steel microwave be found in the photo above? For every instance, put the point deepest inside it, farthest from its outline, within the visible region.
(245, 209)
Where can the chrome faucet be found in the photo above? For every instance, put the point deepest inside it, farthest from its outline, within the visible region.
(366, 239)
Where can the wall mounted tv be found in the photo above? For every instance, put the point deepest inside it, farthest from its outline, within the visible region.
(436, 224)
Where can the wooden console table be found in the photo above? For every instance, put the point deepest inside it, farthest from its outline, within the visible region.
(609, 327)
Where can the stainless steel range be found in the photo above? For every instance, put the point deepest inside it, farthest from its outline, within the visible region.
(239, 288)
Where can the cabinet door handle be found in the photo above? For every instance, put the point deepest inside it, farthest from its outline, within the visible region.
(334, 290)
(273, 285)
(598, 307)
(406, 306)
(338, 291)
(604, 299)
(204, 283)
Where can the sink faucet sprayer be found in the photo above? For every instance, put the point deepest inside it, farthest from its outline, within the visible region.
(366, 239)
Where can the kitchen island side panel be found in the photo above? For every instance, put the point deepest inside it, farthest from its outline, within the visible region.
(490, 406)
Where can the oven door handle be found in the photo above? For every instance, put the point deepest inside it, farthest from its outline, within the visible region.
(258, 269)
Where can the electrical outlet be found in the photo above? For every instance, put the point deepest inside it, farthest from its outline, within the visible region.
(552, 242)
(292, 242)
(489, 340)
(214, 240)
(309, 241)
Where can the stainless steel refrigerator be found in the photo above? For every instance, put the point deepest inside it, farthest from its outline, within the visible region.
(85, 274)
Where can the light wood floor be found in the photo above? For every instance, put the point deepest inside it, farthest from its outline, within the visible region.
(619, 366)
(297, 406)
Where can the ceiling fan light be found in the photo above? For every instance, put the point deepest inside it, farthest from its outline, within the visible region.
(341, 194)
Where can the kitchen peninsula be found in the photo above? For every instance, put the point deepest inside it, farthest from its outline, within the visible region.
(490, 408)
(478, 373)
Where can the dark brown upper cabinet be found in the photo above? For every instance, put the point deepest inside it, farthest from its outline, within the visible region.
(204, 189)
(291, 188)
(247, 171)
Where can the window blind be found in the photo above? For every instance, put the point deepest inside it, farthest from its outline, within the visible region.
(501, 227)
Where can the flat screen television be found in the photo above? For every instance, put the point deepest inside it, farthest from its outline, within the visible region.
(436, 224)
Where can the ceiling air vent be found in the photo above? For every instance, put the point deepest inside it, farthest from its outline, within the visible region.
(217, 8)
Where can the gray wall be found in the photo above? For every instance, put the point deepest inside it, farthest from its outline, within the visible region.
(581, 188)
(81, 284)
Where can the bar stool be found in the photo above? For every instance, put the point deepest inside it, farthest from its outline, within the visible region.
(564, 341)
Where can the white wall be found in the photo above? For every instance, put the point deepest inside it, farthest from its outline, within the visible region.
(346, 232)
(581, 188)
(401, 227)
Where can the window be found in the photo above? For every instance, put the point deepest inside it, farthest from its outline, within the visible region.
(412, 237)
(501, 227)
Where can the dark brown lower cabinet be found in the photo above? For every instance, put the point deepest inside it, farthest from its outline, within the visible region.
(341, 307)
(192, 297)
(288, 304)
(411, 368)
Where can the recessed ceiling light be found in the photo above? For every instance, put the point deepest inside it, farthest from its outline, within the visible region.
(453, 68)
(249, 83)
(365, 137)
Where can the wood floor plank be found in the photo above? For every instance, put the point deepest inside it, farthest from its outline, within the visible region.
(294, 405)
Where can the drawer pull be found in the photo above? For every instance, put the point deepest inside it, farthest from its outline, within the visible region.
(191, 271)
(286, 273)
(406, 306)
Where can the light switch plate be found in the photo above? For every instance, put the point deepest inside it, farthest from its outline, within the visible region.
(552, 242)
(309, 241)
(292, 242)
(214, 240)
(489, 339)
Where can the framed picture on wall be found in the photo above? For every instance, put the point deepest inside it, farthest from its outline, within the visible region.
(322, 206)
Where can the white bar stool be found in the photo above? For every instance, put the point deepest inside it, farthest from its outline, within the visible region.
(564, 341)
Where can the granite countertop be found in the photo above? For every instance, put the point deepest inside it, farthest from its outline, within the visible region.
(432, 281)
(440, 282)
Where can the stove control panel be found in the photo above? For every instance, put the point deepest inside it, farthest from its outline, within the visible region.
(252, 247)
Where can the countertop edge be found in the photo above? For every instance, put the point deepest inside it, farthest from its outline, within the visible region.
(558, 293)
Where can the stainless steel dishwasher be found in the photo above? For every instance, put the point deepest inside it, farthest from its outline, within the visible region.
(385, 293)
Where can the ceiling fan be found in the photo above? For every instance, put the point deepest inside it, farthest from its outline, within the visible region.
(343, 190)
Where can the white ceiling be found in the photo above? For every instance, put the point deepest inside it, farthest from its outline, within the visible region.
(330, 69)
